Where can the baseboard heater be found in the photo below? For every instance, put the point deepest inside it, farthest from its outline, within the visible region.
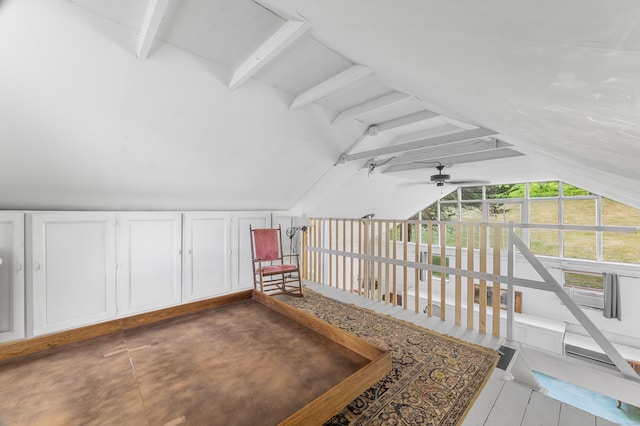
(587, 355)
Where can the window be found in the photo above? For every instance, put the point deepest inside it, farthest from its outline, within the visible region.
(471, 193)
(571, 191)
(449, 211)
(543, 189)
(586, 289)
(620, 247)
(579, 244)
(505, 213)
(471, 212)
(396, 232)
(437, 260)
(411, 228)
(544, 241)
(505, 191)
(583, 280)
(452, 196)
(544, 203)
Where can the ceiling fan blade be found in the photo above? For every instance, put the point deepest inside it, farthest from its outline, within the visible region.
(468, 182)
(413, 183)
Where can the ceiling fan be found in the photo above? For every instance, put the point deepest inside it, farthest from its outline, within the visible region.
(441, 178)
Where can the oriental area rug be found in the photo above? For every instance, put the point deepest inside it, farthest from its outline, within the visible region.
(434, 379)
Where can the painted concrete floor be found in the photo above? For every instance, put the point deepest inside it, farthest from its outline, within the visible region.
(592, 402)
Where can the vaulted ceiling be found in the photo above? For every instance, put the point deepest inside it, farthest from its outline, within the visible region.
(336, 108)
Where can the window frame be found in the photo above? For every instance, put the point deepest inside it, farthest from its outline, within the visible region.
(525, 213)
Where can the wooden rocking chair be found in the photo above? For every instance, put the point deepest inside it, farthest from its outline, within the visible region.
(271, 274)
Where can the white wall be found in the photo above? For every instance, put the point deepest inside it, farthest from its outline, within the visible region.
(85, 125)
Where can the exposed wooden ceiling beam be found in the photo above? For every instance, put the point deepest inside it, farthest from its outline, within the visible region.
(493, 154)
(370, 131)
(156, 10)
(431, 132)
(438, 140)
(441, 151)
(286, 35)
(396, 123)
(382, 103)
(331, 85)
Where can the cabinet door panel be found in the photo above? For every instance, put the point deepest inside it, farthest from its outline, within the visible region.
(73, 270)
(149, 261)
(243, 266)
(11, 276)
(285, 223)
(206, 241)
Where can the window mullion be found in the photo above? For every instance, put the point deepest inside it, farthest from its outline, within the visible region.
(560, 220)
(599, 236)
(525, 216)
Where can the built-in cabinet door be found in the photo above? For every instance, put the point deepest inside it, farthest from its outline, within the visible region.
(241, 246)
(149, 261)
(72, 270)
(285, 223)
(11, 276)
(206, 259)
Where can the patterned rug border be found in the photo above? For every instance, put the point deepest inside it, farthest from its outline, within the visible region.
(422, 329)
(410, 324)
(444, 336)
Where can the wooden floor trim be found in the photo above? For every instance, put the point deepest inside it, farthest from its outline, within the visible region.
(23, 347)
(333, 400)
(377, 361)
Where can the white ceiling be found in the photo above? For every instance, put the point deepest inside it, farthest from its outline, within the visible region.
(86, 125)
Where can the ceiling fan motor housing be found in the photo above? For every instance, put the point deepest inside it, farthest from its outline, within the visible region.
(440, 177)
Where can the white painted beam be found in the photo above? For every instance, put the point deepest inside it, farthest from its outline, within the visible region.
(426, 134)
(493, 154)
(396, 123)
(382, 103)
(331, 85)
(156, 10)
(286, 35)
(438, 140)
(371, 130)
(447, 150)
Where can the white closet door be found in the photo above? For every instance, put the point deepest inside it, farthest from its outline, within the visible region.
(285, 222)
(73, 270)
(206, 255)
(241, 246)
(11, 276)
(149, 261)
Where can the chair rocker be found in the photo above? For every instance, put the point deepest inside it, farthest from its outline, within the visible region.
(271, 275)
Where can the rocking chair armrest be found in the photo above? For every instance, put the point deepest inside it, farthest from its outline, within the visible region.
(296, 256)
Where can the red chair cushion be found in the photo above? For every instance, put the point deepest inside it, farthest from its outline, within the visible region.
(278, 269)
